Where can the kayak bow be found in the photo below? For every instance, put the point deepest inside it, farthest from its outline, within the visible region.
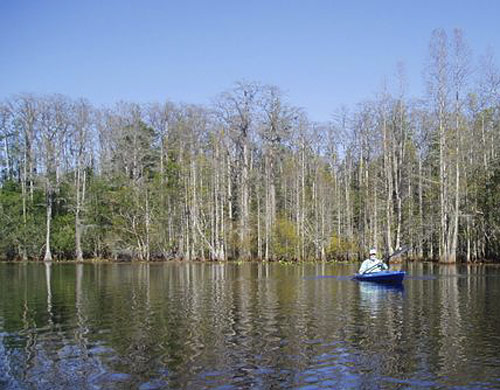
(389, 277)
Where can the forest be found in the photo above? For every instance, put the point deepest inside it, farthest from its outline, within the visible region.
(250, 176)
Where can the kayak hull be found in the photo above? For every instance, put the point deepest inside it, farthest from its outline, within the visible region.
(386, 277)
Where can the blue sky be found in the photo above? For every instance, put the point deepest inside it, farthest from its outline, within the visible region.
(322, 54)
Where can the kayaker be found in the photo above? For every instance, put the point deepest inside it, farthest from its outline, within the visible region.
(372, 264)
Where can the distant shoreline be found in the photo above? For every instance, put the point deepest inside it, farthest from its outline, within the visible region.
(185, 261)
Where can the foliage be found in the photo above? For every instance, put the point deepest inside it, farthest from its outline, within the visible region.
(284, 239)
(14, 232)
(489, 202)
(340, 248)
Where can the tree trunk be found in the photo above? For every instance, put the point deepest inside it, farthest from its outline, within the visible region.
(80, 198)
(245, 218)
(48, 254)
(420, 250)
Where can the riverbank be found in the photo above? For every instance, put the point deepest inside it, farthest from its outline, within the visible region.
(180, 260)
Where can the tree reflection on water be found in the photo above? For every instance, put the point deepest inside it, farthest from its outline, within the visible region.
(240, 325)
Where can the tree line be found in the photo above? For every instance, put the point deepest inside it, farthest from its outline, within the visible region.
(252, 177)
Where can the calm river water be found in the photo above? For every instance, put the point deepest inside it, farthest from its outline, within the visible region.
(239, 326)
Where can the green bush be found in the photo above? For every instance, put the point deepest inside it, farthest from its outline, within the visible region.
(341, 248)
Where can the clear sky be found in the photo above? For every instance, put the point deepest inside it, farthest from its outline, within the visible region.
(322, 54)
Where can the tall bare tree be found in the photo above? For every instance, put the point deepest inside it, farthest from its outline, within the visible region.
(81, 150)
(237, 109)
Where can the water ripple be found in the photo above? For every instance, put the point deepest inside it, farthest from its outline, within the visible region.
(170, 326)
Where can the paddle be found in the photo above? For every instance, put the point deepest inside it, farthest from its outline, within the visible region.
(400, 251)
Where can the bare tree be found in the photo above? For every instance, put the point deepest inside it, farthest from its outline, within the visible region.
(237, 109)
(54, 124)
(439, 92)
(81, 146)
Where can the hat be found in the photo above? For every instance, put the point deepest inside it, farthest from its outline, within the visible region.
(373, 251)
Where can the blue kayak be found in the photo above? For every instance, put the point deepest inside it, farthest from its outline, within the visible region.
(389, 277)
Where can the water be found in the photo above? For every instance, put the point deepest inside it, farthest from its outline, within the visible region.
(238, 326)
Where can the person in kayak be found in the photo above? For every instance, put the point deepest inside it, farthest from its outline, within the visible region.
(372, 264)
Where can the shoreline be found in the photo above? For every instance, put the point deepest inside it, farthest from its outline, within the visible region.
(237, 262)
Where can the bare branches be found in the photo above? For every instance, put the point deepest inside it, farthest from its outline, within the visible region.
(252, 177)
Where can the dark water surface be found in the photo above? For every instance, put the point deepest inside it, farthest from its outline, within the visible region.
(239, 326)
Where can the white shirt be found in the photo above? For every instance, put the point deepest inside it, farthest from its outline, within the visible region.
(370, 265)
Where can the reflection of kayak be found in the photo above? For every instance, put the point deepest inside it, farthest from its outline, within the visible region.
(380, 289)
(389, 277)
